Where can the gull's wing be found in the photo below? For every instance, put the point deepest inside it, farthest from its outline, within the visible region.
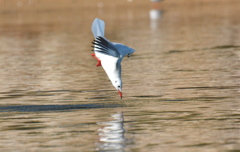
(98, 27)
(123, 50)
(102, 45)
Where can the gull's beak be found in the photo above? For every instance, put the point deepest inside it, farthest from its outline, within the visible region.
(120, 93)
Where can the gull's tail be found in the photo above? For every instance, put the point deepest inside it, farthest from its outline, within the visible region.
(98, 27)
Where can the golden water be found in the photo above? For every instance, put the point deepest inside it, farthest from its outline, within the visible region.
(180, 88)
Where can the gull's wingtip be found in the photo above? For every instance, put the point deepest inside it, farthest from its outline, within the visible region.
(97, 19)
(98, 27)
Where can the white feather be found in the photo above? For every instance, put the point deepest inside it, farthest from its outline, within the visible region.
(109, 65)
(109, 53)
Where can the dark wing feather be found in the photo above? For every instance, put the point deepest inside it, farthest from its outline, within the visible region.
(104, 46)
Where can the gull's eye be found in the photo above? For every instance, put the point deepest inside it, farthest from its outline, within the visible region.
(119, 86)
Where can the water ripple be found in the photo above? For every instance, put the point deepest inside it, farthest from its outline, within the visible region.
(37, 108)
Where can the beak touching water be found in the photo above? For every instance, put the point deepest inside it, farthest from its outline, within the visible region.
(120, 93)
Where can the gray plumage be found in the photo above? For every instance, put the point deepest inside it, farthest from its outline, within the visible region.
(110, 54)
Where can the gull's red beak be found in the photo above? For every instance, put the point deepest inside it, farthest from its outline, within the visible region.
(120, 93)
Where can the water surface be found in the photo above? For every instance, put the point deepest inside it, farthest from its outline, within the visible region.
(180, 88)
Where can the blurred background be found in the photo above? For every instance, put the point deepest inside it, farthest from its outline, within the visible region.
(180, 88)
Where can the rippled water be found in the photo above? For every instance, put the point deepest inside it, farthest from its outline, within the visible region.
(181, 86)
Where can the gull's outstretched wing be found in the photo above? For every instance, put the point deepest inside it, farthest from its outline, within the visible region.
(98, 27)
(123, 49)
(104, 46)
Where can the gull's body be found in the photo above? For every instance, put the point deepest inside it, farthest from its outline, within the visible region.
(109, 54)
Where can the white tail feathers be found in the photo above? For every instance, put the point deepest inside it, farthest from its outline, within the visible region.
(98, 27)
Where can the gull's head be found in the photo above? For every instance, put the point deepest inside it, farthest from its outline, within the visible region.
(118, 85)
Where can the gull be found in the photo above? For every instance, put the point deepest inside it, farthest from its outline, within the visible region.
(109, 54)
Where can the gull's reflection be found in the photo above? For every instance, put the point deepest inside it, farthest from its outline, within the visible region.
(111, 136)
(155, 13)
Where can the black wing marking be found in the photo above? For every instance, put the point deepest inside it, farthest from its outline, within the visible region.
(104, 46)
